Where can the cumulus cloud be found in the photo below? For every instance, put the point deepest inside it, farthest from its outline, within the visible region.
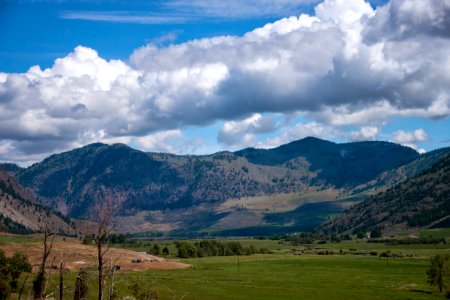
(410, 138)
(399, 20)
(169, 141)
(243, 133)
(366, 133)
(342, 65)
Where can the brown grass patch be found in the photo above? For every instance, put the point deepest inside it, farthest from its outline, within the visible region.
(77, 255)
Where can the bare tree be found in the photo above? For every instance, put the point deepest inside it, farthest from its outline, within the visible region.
(40, 281)
(105, 213)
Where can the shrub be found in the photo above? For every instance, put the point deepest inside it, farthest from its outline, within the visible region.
(375, 233)
(360, 234)
(186, 250)
(10, 270)
(386, 253)
(155, 250)
(141, 291)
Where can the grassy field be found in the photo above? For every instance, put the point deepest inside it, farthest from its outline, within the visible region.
(296, 277)
(352, 272)
(278, 277)
(283, 276)
(435, 233)
(5, 239)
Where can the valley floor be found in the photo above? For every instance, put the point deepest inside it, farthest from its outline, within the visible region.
(345, 270)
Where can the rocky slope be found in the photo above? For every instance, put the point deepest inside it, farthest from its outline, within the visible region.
(21, 213)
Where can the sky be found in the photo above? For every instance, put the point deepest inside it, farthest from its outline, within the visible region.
(201, 76)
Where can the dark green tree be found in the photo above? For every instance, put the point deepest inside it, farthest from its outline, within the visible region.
(5, 289)
(375, 233)
(186, 250)
(10, 270)
(360, 234)
(18, 264)
(439, 271)
(156, 250)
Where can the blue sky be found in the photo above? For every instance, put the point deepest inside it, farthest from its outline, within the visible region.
(259, 73)
(38, 32)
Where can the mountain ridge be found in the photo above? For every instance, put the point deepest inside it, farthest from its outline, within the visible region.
(421, 200)
(157, 188)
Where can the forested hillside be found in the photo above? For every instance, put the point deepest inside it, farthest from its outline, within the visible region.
(423, 200)
(74, 181)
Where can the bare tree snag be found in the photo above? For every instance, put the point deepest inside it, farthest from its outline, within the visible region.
(61, 277)
(39, 283)
(105, 213)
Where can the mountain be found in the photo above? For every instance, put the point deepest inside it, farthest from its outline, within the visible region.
(21, 213)
(340, 165)
(11, 169)
(224, 190)
(423, 200)
(392, 177)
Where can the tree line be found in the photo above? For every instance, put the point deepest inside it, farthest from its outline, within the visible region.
(206, 248)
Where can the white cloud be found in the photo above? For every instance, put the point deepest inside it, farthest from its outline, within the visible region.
(237, 8)
(169, 141)
(343, 65)
(188, 11)
(135, 17)
(242, 133)
(409, 19)
(410, 138)
(418, 135)
(366, 133)
(160, 141)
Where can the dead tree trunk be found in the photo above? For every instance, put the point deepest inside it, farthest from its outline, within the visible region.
(39, 283)
(100, 270)
(81, 288)
(61, 280)
(104, 212)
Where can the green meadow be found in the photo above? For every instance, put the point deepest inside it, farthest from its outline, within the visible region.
(284, 276)
(353, 270)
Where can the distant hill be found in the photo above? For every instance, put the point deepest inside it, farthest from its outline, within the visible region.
(341, 165)
(165, 191)
(21, 213)
(392, 177)
(11, 169)
(423, 200)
